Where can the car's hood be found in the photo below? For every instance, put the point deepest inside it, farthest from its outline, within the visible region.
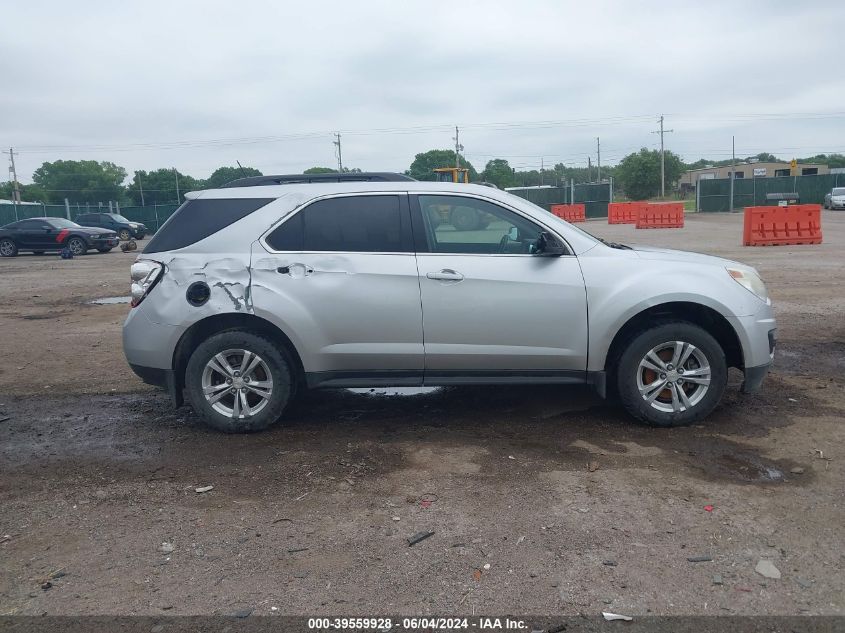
(665, 254)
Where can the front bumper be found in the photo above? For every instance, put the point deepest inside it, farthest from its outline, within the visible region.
(754, 377)
(108, 242)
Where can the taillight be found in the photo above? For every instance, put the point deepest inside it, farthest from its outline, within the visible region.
(144, 273)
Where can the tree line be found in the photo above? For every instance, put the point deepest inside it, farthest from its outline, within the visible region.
(86, 181)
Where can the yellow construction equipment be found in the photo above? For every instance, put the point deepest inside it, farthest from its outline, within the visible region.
(452, 174)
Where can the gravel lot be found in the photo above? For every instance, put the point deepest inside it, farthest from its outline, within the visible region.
(575, 509)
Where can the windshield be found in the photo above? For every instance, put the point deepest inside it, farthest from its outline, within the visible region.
(839, 191)
(61, 223)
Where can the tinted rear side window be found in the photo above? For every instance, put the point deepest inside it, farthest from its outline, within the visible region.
(361, 224)
(197, 219)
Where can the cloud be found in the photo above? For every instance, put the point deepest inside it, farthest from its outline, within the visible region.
(100, 80)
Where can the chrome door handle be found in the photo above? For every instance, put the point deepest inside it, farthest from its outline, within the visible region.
(295, 270)
(446, 274)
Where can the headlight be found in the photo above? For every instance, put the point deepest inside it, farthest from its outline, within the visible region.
(751, 282)
(144, 273)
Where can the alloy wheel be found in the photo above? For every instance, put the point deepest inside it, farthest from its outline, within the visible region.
(673, 376)
(237, 383)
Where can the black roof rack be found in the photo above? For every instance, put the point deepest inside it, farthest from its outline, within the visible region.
(298, 179)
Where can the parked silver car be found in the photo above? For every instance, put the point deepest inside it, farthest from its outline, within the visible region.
(835, 199)
(251, 293)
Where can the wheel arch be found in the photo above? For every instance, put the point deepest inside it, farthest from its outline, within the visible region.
(704, 316)
(214, 324)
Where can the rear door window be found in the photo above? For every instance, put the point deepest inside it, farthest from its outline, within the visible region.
(196, 219)
(358, 224)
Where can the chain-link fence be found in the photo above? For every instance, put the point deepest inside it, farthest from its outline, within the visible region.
(152, 216)
(715, 195)
(595, 197)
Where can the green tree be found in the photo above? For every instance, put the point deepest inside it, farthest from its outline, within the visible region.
(639, 174)
(831, 160)
(159, 186)
(29, 193)
(80, 181)
(499, 172)
(424, 164)
(222, 175)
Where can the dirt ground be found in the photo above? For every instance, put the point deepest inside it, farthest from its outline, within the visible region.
(542, 500)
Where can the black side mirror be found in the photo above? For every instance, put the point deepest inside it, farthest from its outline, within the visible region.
(548, 246)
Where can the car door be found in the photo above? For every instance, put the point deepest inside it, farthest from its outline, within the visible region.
(32, 234)
(340, 277)
(491, 307)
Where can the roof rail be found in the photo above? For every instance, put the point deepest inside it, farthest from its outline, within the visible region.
(298, 179)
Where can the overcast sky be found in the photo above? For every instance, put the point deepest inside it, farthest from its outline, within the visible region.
(197, 85)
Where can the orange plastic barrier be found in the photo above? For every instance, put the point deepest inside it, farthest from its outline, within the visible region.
(623, 212)
(774, 226)
(661, 215)
(570, 212)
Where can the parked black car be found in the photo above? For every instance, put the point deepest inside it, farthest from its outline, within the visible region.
(124, 228)
(39, 235)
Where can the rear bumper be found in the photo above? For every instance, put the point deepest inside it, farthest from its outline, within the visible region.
(164, 378)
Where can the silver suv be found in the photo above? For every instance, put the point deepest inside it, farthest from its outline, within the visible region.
(251, 293)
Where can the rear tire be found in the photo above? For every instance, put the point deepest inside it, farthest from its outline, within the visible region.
(104, 250)
(8, 248)
(260, 373)
(671, 374)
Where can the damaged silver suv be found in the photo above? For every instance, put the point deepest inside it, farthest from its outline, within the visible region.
(254, 292)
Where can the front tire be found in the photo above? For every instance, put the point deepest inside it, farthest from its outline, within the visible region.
(671, 374)
(8, 248)
(239, 382)
(77, 246)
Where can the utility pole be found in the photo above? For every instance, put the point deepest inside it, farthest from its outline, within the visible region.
(589, 169)
(339, 155)
(16, 191)
(733, 171)
(140, 187)
(661, 131)
(598, 151)
(542, 167)
(178, 197)
(458, 147)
